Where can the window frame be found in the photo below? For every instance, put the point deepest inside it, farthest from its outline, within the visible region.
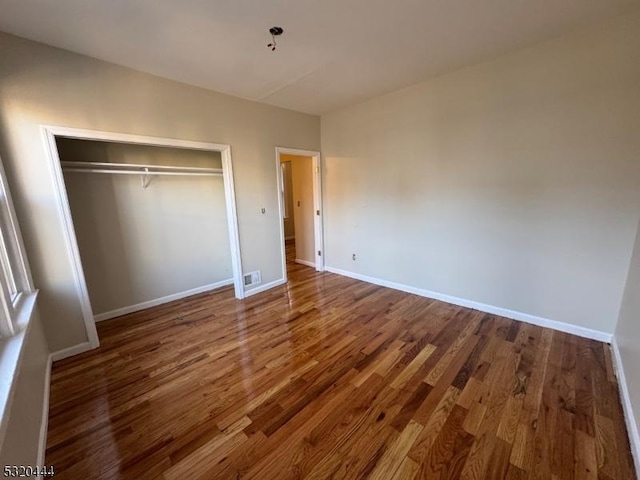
(15, 275)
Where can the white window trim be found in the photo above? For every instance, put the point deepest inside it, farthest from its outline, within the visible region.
(14, 266)
(11, 350)
(17, 308)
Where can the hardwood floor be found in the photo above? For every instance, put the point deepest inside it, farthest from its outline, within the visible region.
(290, 253)
(329, 377)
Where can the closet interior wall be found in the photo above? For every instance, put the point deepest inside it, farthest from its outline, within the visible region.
(140, 245)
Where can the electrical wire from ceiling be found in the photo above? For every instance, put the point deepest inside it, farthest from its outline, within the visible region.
(275, 32)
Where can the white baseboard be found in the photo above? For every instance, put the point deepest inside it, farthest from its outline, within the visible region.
(305, 262)
(71, 351)
(44, 423)
(159, 301)
(265, 287)
(503, 312)
(627, 406)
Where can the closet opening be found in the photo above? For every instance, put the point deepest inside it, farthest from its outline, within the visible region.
(147, 220)
(300, 202)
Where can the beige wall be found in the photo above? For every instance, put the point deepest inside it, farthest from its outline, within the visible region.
(515, 183)
(21, 438)
(628, 331)
(302, 181)
(140, 244)
(45, 85)
(289, 225)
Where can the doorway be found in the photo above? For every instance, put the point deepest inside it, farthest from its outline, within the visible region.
(146, 173)
(300, 207)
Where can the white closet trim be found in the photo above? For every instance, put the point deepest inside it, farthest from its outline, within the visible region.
(51, 149)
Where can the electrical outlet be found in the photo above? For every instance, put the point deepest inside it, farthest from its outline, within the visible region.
(353, 257)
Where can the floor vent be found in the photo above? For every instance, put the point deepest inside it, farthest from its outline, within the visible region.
(252, 278)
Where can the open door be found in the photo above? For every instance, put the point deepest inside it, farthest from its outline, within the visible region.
(300, 206)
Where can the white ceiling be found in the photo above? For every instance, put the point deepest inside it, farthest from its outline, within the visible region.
(333, 52)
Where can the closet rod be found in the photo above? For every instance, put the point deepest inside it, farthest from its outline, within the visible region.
(105, 167)
(136, 172)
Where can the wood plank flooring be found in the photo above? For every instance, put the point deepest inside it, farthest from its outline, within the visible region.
(329, 377)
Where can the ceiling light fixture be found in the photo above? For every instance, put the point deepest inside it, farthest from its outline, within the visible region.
(275, 32)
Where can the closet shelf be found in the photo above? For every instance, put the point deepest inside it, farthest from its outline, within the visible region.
(135, 169)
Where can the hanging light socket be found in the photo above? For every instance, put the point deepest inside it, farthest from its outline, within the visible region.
(275, 32)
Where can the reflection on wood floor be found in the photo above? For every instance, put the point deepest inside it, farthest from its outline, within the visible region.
(329, 377)
(290, 252)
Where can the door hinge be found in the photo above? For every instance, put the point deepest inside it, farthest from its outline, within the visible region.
(317, 169)
(319, 253)
(318, 212)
